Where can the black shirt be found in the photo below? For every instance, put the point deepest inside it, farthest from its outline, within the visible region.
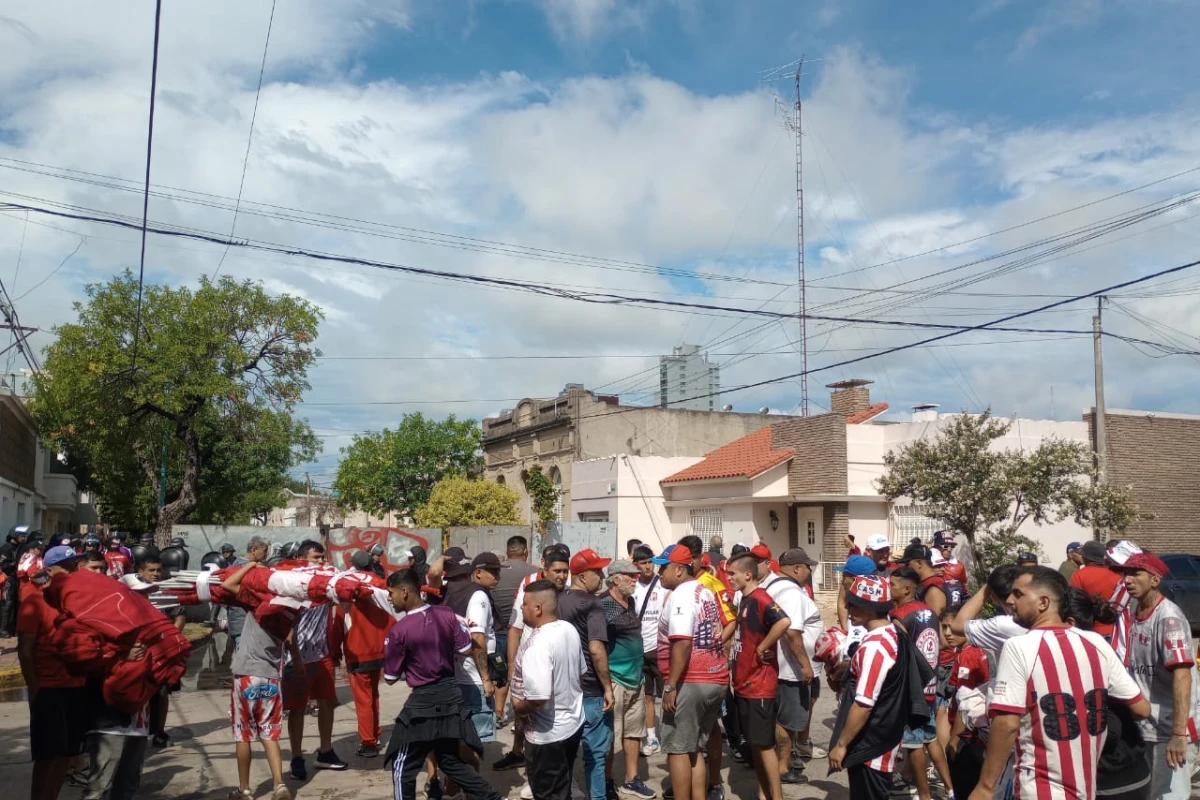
(586, 612)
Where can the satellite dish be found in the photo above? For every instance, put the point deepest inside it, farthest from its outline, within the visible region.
(727, 408)
(764, 410)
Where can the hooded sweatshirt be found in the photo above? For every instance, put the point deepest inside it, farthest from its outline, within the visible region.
(361, 631)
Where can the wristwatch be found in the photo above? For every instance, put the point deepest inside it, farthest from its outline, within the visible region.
(668, 688)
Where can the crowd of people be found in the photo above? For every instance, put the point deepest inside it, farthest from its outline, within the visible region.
(1039, 684)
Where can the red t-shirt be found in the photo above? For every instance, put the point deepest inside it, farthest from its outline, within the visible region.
(37, 618)
(854, 551)
(957, 571)
(971, 668)
(1099, 582)
(753, 679)
(118, 564)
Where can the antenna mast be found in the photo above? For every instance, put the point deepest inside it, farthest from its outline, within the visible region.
(794, 124)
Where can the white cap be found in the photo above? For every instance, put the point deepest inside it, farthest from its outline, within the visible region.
(878, 541)
(1121, 551)
(937, 559)
(137, 583)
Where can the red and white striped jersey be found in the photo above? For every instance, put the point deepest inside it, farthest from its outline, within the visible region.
(875, 656)
(1059, 680)
(516, 621)
(1121, 601)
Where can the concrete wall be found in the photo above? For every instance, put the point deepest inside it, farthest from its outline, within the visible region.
(664, 432)
(201, 539)
(490, 539)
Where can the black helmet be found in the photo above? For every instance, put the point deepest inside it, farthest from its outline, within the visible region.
(18, 530)
(289, 550)
(177, 541)
(211, 557)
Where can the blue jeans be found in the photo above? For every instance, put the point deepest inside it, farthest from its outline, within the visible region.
(597, 741)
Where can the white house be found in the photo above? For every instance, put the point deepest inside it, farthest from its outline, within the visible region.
(627, 490)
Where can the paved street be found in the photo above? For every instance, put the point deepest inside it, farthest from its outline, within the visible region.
(201, 765)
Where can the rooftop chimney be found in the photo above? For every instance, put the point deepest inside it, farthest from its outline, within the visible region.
(925, 412)
(849, 397)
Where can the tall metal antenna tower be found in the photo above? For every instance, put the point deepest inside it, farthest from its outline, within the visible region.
(793, 122)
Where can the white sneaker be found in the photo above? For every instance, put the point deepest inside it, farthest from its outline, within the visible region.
(810, 750)
(651, 747)
(282, 792)
(526, 791)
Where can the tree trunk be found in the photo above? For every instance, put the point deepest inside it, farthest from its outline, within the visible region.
(186, 501)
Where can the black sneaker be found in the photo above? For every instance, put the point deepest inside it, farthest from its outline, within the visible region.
(329, 760)
(160, 740)
(433, 789)
(610, 790)
(668, 791)
(299, 770)
(510, 761)
(367, 751)
(792, 777)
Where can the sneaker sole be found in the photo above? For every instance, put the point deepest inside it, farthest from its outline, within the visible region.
(630, 794)
(334, 767)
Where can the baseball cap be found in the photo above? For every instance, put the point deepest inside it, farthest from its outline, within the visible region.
(738, 549)
(870, 592)
(1027, 556)
(916, 552)
(877, 541)
(377, 550)
(938, 559)
(1148, 562)
(760, 550)
(587, 559)
(455, 567)
(456, 553)
(621, 567)
(1120, 551)
(674, 554)
(58, 555)
(227, 548)
(1073, 546)
(857, 566)
(488, 560)
(138, 583)
(361, 559)
(1093, 551)
(796, 556)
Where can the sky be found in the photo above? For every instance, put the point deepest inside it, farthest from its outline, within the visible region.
(962, 162)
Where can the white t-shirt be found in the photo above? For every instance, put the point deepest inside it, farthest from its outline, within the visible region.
(805, 617)
(139, 725)
(479, 620)
(549, 666)
(1055, 679)
(654, 606)
(516, 621)
(991, 634)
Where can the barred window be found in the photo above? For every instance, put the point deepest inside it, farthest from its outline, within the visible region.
(910, 522)
(705, 523)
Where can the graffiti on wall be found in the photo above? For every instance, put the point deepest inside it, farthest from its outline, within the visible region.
(343, 543)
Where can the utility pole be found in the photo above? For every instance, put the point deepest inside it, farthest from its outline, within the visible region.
(794, 124)
(1100, 422)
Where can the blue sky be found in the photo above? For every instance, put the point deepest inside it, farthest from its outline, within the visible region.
(639, 131)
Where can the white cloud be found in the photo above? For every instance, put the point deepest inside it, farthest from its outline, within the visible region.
(631, 167)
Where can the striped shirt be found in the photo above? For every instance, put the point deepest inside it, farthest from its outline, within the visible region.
(1059, 680)
(875, 656)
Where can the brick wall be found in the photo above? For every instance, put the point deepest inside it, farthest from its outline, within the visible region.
(849, 402)
(18, 449)
(1158, 457)
(819, 466)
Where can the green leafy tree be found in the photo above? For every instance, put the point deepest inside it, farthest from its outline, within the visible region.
(544, 495)
(388, 470)
(217, 373)
(986, 494)
(462, 501)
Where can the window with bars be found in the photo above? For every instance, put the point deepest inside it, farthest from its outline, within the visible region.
(910, 522)
(705, 523)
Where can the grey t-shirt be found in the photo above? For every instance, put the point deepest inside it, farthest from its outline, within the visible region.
(259, 654)
(505, 593)
(1159, 645)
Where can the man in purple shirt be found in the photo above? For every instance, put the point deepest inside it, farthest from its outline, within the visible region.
(421, 647)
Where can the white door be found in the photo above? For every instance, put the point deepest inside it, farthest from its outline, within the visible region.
(809, 521)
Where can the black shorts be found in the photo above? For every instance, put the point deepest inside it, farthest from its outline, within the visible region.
(653, 678)
(815, 685)
(757, 720)
(59, 722)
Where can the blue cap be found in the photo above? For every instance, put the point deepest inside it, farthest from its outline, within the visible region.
(57, 555)
(1073, 546)
(858, 566)
(665, 557)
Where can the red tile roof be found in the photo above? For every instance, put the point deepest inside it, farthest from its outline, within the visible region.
(866, 414)
(741, 458)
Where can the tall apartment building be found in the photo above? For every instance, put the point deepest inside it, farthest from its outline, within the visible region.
(688, 380)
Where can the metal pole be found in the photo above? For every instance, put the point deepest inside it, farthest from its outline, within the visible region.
(800, 248)
(1100, 422)
(162, 474)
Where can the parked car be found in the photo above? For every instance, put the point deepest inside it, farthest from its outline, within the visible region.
(1182, 585)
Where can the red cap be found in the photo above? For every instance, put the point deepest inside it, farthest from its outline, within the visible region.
(870, 591)
(588, 559)
(774, 565)
(706, 560)
(1148, 562)
(760, 550)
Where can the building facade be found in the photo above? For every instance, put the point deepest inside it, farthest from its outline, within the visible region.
(688, 380)
(579, 425)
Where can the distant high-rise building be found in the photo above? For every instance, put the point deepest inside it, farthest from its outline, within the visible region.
(688, 380)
